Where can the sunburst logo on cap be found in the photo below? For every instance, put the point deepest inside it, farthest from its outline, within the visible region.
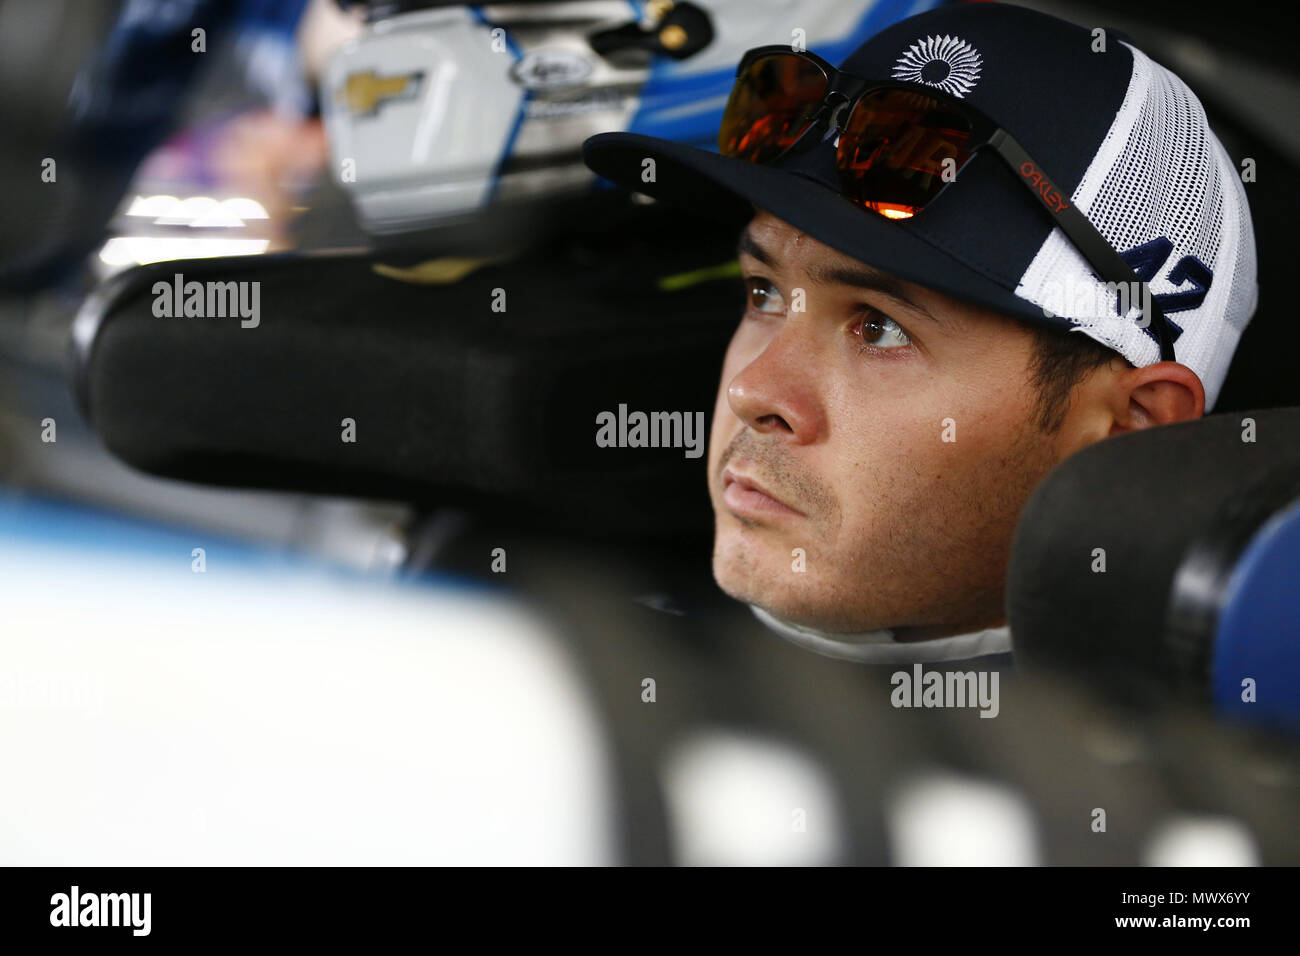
(948, 63)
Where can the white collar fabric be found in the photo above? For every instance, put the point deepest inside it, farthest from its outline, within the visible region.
(879, 647)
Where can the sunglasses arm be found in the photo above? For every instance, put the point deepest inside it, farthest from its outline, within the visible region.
(1101, 255)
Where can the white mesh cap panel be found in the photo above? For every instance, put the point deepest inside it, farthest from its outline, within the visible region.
(1161, 173)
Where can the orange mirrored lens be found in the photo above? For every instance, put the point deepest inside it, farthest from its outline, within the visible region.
(772, 100)
(899, 149)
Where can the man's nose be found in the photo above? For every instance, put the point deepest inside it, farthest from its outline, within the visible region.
(777, 391)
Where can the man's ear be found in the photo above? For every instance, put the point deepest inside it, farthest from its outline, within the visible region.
(1159, 394)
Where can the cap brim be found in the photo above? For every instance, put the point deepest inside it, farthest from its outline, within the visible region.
(731, 189)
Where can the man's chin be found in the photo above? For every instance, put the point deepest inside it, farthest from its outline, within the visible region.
(801, 612)
(770, 581)
(769, 589)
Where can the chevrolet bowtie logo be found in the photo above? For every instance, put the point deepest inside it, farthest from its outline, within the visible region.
(366, 92)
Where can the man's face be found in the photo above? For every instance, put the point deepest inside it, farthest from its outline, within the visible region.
(887, 431)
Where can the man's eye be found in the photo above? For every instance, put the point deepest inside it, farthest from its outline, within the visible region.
(880, 331)
(764, 296)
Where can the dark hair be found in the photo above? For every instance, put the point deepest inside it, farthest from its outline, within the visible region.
(1059, 363)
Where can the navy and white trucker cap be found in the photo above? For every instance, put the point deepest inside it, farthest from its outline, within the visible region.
(1121, 134)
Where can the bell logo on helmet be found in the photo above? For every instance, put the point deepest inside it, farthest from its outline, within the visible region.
(946, 63)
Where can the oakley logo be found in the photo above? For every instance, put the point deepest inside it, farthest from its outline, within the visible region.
(835, 124)
(946, 63)
(837, 115)
(1049, 194)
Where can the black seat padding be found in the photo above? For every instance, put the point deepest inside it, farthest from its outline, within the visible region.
(453, 401)
(1147, 499)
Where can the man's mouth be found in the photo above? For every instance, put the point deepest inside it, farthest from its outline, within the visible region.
(746, 497)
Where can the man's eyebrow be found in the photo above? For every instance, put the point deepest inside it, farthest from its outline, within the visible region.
(749, 246)
(859, 276)
(865, 277)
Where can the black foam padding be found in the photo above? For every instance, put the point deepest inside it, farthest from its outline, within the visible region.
(1144, 498)
(453, 402)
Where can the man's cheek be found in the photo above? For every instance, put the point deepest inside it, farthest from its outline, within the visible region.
(725, 423)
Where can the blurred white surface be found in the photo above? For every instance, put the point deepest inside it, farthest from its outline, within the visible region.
(152, 715)
(737, 800)
(1202, 841)
(950, 820)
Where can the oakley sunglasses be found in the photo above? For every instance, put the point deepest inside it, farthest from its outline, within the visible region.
(899, 146)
